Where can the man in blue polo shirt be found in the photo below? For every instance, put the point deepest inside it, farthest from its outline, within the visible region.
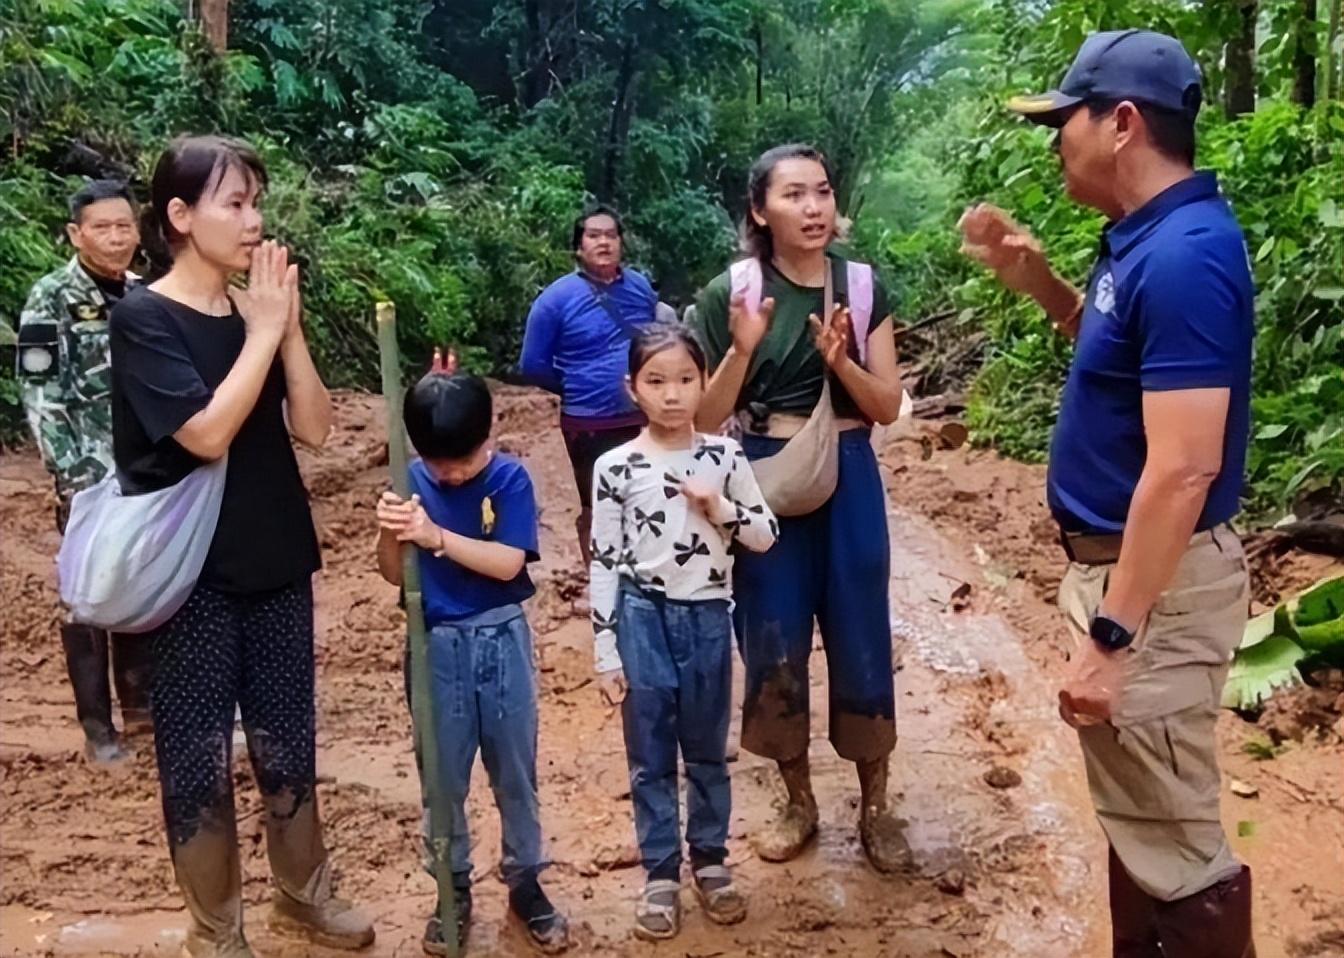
(577, 344)
(1146, 467)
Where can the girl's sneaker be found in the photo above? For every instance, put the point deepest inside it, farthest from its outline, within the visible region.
(546, 928)
(722, 902)
(658, 914)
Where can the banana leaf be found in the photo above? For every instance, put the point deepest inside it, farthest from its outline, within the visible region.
(1259, 670)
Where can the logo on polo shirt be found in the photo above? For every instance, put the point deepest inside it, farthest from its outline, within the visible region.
(1104, 298)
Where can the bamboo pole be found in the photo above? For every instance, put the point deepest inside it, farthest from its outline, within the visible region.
(422, 705)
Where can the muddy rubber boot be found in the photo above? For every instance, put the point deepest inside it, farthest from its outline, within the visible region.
(201, 944)
(1215, 923)
(86, 663)
(1133, 915)
(785, 838)
(882, 834)
(133, 676)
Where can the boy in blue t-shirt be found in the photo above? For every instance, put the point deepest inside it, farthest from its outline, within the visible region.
(473, 515)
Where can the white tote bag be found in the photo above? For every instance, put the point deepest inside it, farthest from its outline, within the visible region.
(127, 563)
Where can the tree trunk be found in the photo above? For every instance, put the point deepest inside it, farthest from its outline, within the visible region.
(1304, 57)
(1333, 82)
(760, 57)
(215, 23)
(618, 130)
(534, 55)
(1239, 84)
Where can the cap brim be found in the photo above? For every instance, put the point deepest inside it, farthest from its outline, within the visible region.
(1047, 109)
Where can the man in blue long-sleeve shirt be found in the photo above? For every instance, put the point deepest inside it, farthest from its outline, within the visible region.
(577, 344)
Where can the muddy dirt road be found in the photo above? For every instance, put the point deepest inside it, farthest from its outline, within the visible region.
(1008, 872)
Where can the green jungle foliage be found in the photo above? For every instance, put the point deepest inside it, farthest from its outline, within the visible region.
(434, 152)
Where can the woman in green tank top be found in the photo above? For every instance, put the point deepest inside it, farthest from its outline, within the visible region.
(830, 566)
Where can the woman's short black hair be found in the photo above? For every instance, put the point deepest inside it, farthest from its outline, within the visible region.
(581, 222)
(448, 417)
(193, 164)
(660, 337)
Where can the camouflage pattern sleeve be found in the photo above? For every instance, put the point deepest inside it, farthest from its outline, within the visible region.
(65, 380)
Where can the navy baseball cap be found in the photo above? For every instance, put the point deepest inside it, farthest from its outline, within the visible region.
(1137, 65)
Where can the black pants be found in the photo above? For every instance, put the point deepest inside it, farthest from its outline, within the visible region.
(585, 447)
(255, 652)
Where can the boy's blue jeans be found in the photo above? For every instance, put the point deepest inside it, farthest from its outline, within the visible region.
(484, 691)
(677, 658)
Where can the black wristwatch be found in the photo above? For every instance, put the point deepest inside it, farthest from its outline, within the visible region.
(1109, 634)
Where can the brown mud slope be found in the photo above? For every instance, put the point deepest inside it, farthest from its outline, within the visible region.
(1009, 869)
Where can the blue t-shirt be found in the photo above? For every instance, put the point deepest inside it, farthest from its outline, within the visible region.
(451, 591)
(1170, 305)
(574, 346)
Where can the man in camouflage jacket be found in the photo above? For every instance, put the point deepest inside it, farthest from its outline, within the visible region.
(64, 374)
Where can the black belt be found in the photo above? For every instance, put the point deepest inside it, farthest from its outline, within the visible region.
(1091, 548)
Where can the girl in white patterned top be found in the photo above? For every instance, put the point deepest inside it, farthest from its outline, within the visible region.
(669, 509)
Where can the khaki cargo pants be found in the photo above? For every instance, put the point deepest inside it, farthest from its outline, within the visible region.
(1153, 769)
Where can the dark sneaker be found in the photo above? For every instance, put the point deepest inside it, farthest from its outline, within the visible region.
(546, 928)
(433, 943)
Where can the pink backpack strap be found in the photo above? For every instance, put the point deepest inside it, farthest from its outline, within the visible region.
(860, 286)
(745, 278)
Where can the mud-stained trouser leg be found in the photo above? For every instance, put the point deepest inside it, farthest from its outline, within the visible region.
(775, 596)
(854, 612)
(276, 697)
(198, 671)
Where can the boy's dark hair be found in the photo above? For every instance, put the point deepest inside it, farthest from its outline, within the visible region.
(659, 337)
(581, 223)
(448, 417)
(1172, 131)
(96, 191)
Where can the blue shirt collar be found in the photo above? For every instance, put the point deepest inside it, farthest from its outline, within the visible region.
(1121, 236)
(620, 277)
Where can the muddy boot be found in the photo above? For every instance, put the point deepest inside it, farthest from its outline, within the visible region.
(1133, 916)
(319, 916)
(201, 944)
(784, 838)
(882, 834)
(86, 662)
(1215, 923)
(133, 675)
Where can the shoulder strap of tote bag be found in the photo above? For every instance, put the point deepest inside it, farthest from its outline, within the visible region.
(613, 312)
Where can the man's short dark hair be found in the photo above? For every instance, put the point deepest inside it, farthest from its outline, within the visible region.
(96, 191)
(448, 417)
(1172, 131)
(597, 209)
